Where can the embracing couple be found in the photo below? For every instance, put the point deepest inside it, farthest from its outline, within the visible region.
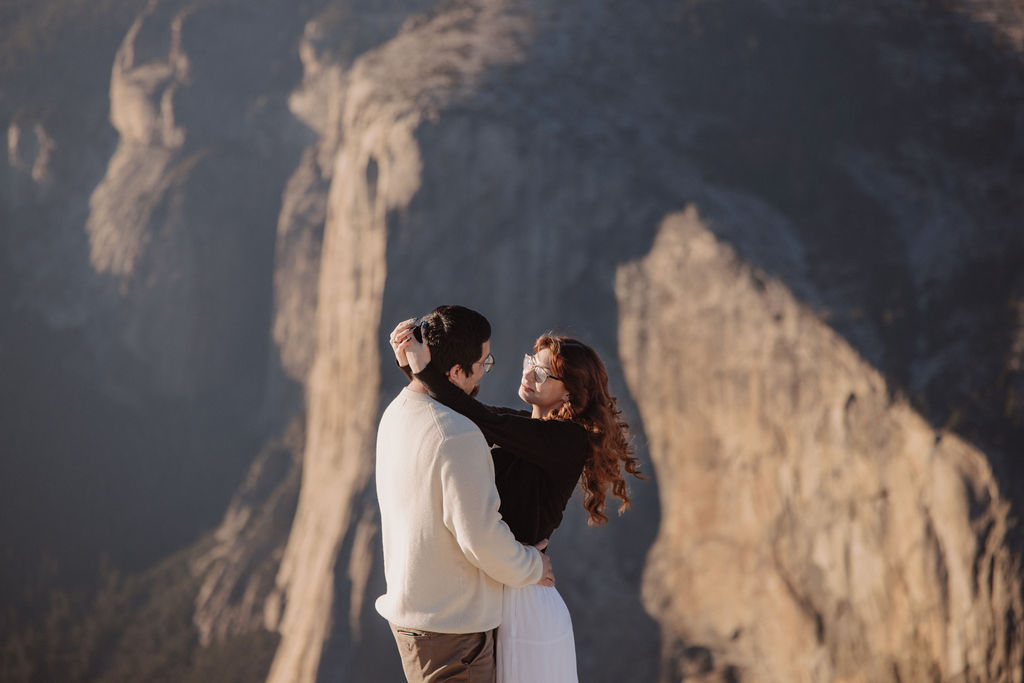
(469, 496)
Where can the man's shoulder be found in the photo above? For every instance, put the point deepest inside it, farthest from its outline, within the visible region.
(447, 423)
(451, 424)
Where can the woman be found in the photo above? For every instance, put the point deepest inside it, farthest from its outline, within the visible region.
(573, 433)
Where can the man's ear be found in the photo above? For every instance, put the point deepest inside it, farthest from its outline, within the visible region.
(455, 375)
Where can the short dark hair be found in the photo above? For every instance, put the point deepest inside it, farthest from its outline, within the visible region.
(455, 336)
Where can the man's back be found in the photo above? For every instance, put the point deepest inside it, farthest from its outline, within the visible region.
(446, 552)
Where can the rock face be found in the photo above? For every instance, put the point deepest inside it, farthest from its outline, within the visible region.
(791, 232)
(375, 172)
(163, 222)
(814, 528)
(239, 568)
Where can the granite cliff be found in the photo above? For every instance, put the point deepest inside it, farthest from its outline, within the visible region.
(793, 233)
(879, 545)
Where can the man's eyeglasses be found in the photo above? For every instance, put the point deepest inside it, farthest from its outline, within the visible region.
(539, 371)
(488, 363)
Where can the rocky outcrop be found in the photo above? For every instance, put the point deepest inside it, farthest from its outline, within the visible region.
(238, 568)
(377, 171)
(814, 528)
(183, 220)
(821, 358)
(30, 151)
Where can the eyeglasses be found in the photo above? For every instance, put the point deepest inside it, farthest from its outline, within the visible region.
(488, 363)
(539, 371)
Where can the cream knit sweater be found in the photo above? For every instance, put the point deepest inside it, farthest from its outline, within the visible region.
(446, 550)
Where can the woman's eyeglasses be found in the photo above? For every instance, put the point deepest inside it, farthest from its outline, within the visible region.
(539, 371)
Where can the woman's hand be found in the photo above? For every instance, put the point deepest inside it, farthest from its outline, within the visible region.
(417, 353)
(402, 331)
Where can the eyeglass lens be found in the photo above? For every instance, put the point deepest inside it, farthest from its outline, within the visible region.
(529, 362)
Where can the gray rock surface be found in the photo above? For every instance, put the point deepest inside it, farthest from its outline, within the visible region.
(791, 231)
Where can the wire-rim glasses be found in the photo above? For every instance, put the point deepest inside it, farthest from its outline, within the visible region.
(488, 363)
(539, 371)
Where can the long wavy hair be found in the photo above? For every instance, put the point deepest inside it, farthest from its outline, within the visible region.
(592, 406)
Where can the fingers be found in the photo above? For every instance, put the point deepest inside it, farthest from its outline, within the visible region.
(547, 577)
(409, 341)
(401, 331)
(398, 328)
(404, 325)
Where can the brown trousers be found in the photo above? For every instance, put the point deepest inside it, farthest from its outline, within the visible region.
(429, 657)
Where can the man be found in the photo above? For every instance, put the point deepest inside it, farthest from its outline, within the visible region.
(446, 550)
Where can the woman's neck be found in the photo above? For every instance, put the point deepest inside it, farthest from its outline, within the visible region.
(539, 413)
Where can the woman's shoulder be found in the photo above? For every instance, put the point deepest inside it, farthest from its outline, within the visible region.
(571, 435)
(502, 410)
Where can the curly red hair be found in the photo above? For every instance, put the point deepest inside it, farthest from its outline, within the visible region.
(592, 406)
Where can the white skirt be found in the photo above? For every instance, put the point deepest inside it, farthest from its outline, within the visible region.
(535, 642)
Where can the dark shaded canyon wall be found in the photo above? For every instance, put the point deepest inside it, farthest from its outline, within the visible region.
(139, 242)
(792, 233)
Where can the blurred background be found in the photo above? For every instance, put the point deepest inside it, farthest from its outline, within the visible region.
(793, 230)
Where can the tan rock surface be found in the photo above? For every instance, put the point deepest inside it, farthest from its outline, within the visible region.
(813, 527)
(214, 241)
(377, 170)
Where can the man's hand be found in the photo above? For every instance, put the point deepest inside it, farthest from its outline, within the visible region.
(402, 331)
(548, 577)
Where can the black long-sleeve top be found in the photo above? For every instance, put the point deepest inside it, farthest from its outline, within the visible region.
(537, 463)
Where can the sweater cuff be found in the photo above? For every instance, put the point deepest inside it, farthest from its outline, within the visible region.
(405, 369)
